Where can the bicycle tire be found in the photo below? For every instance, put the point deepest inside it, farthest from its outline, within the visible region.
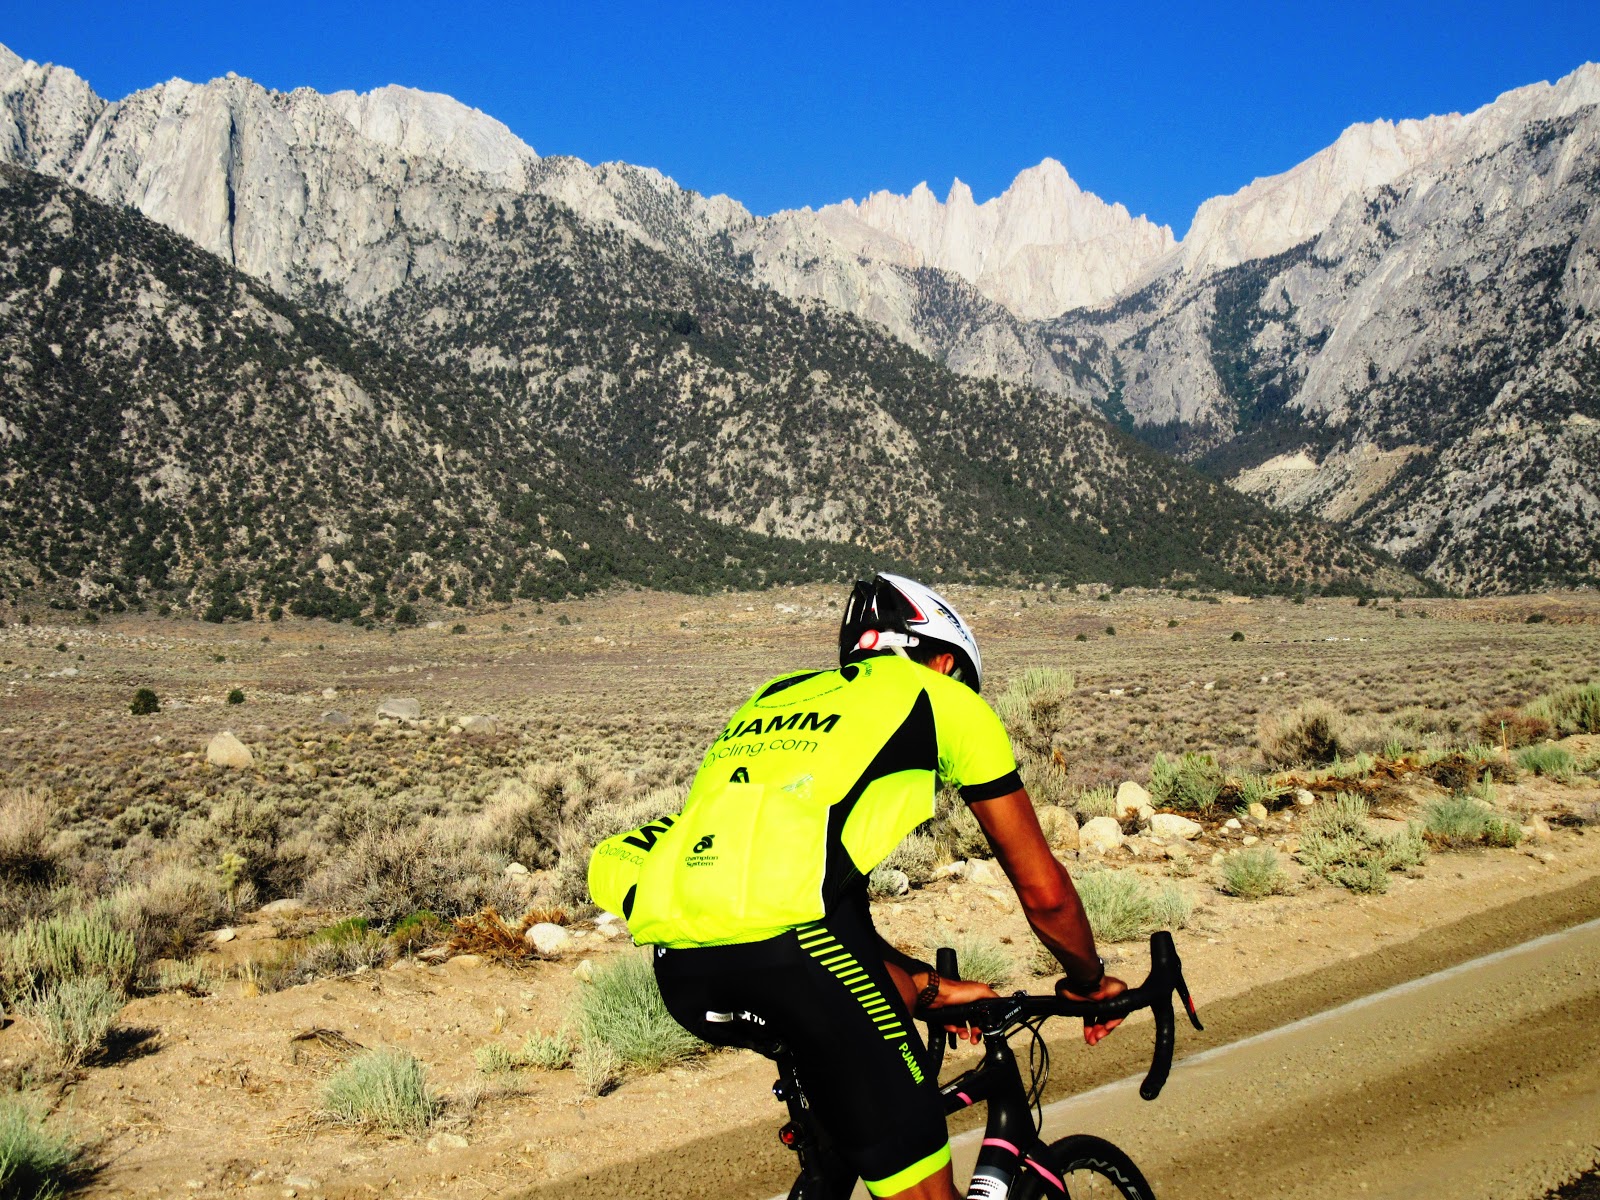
(1092, 1169)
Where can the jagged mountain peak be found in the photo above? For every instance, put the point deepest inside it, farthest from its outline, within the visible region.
(430, 123)
(1276, 212)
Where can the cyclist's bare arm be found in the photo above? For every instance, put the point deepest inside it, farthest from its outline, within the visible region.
(1048, 898)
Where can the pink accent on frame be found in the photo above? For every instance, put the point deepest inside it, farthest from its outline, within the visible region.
(1046, 1174)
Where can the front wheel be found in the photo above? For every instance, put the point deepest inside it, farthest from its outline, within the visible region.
(1084, 1168)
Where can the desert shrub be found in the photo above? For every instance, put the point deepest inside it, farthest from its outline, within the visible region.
(526, 817)
(1258, 789)
(599, 1067)
(1309, 734)
(254, 833)
(579, 834)
(385, 1088)
(1096, 802)
(236, 696)
(40, 955)
(1033, 707)
(984, 960)
(1553, 762)
(538, 1052)
(35, 1164)
(547, 1051)
(1458, 821)
(417, 931)
(1513, 728)
(344, 956)
(74, 1016)
(1570, 710)
(167, 914)
(144, 703)
(387, 874)
(184, 975)
(621, 1009)
(1191, 784)
(1045, 781)
(1253, 873)
(1121, 906)
(1338, 844)
(884, 883)
(917, 856)
(955, 830)
(27, 827)
(1355, 767)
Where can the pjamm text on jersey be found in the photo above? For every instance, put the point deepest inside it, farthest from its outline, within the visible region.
(797, 722)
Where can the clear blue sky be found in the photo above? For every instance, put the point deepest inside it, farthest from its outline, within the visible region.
(783, 104)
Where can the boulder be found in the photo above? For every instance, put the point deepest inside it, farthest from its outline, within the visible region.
(985, 872)
(1063, 833)
(225, 935)
(1131, 798)
(1171, 825)
(330, 693)
(1100, 835)
(515, 870)
(479, 724)
(400, 708)
(547, 938)
(951, 870)
(225, 750)
(1304, 798)
(1232, 824)
(584, 971)
(287, 907)
(334, 717)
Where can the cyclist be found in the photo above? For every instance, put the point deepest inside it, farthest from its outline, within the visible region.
(755, 895)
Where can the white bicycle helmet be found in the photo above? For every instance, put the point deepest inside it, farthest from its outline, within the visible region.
(893, 613)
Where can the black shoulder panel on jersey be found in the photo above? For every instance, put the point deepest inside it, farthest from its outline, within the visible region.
(913, 746)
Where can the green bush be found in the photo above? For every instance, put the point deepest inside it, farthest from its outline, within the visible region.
(1098, 801)
(386, 1088)
(144, 703)
(1458, 821)
(984, 960)
(1570, 710)
(236, 696)
(1553, 762)
(539, 1052)
(1034, 707)
(1339, 845)
(1253, 873)
(1122, 907)
(34, 1163)
(622, 1010)
(1192, 784)
(64, 949)
(74, 1016)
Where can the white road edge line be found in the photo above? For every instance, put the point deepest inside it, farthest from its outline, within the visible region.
(1399, 989)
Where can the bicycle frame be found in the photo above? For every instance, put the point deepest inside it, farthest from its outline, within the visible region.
(1011, 1143)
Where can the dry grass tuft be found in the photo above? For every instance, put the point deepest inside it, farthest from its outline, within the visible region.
(486, 934)
(1309, 735)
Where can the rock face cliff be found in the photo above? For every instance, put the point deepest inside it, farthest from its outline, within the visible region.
(1419, 365)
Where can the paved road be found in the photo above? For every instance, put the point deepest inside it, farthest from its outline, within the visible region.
(1482, 1081)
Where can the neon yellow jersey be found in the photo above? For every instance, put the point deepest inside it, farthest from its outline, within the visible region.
(813, 782)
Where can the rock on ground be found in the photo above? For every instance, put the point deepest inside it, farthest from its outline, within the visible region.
(400, 708)
(225, 750)
(335, 717)
(1171, 825)
(547, 938)
(1131, 797)
(1100, 835)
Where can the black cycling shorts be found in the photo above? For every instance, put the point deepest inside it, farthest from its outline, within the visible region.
(823, 991)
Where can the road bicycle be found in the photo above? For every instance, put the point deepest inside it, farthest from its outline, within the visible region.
(1014, 1162)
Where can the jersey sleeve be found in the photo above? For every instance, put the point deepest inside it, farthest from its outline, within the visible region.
(974, 749)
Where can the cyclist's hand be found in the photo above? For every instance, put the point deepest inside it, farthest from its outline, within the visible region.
(1109, 986)
(962, 991)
